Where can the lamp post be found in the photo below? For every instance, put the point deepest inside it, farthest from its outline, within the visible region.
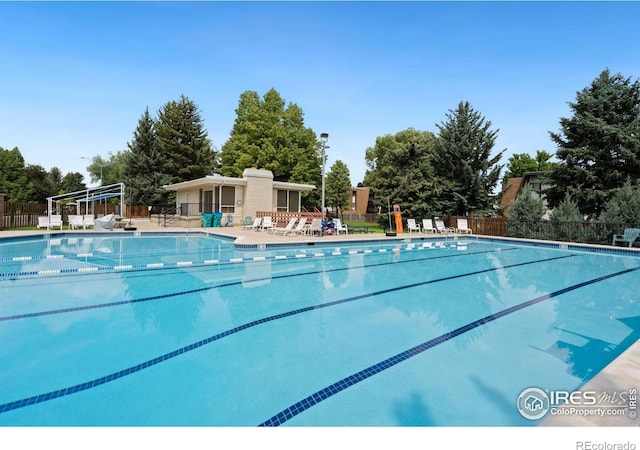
(323, 147)
(100, 165)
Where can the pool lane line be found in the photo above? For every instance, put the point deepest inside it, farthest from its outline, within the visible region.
(228, 284)
(317, 397)
(75, 256)
(152, 362)
(12, 276)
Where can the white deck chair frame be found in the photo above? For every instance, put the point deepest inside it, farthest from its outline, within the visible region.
(287, 229)
(301, 227)
(413, 226)
(463, 226)
(55, 221)
(316, 227)
(255, 225)
(427, 226)
(442, 228)
(340, 227)
(267, 224)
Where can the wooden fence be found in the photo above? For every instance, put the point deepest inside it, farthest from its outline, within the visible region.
(281, 218)
(25, 214)
(20, 214)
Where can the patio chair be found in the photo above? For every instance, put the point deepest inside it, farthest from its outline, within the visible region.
(316, 227)
(55, 221)
(267, 224)
(89, 220)
(413, 226)
(339, 227)
(253, 226)
(463, 226)
(629, 236)
(75, 221)
(43, 222)
(287, 229)
(427, 226)
(442, 228)
(301, 228)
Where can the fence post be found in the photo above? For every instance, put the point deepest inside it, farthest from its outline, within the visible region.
(1, 211)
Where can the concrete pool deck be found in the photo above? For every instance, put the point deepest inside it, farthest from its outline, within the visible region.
(619, 376)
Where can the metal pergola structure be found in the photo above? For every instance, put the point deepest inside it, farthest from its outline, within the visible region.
(89, 195)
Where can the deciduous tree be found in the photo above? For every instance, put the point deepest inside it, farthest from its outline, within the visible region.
(400, 171)
(519, 163)
(268, 135)
(13, 176)
(338, 186)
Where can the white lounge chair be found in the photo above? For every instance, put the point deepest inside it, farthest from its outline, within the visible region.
(255, 225)
(413, 226)
(287, 229)
(339, 227)
(463, 226)
(43, 222)
(89, 220)
(55, 221)
(629, 236)
(316, 227)
(301, 228)
(441, 228)
(76, 221)
(427, 226)
(267, 224)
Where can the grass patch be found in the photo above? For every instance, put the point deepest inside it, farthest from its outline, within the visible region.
(373, 226)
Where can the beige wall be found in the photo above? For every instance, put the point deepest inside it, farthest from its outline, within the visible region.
(259, 191)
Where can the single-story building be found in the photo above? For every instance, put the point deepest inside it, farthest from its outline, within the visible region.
(239, 197)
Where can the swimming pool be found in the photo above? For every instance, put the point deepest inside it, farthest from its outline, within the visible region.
(171, 330)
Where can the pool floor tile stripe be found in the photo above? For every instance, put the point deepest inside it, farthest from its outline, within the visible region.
(122, 373)
(315, 398)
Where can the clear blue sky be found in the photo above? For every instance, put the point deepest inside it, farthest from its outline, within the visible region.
(75, 77)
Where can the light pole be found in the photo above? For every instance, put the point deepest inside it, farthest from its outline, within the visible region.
(323, 147)
(93, 162)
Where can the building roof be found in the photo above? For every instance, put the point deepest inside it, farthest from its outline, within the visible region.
(219, 180)
(510, 191)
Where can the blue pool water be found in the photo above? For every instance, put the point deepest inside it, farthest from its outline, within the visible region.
(170, 330)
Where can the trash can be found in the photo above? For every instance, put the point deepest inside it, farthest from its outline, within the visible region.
(217, 219)
(207, 220)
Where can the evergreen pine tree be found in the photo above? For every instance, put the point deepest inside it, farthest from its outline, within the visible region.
(144, 168)
(463, 157)
(599, 147)
(183, 142)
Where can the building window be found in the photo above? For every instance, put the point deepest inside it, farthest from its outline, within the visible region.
(228, 199)
(205, 203)
(288, 201)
